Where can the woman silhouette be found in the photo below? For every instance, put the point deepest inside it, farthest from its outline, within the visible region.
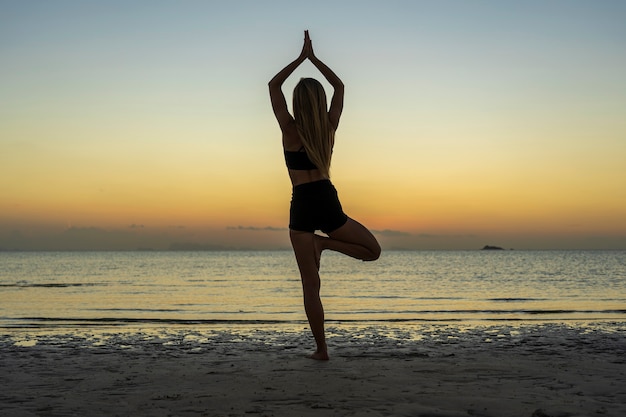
(308, 139)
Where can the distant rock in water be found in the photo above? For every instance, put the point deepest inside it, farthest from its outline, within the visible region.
(488, 247)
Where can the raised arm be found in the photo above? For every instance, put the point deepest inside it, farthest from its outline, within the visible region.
(279, 104)
(336, 103)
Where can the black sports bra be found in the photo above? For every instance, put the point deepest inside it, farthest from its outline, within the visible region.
(298, 160)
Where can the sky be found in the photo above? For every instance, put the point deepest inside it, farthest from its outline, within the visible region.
(147, 124)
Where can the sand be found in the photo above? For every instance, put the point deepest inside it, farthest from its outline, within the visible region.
(441, 370)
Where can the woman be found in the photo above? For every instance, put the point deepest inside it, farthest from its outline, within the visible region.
(308, 139)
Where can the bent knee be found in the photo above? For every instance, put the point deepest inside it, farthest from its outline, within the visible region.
(373, 253)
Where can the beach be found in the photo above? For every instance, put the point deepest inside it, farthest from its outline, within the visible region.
(417, 334)
(410, 370)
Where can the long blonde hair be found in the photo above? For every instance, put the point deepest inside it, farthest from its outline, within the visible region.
(311, 116)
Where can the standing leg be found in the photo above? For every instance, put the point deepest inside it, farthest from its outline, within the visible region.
(305, 250)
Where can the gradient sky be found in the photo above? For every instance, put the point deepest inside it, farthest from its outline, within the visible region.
(147, 123)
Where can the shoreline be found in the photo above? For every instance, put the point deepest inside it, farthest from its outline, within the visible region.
(202, 336)
(427, 370)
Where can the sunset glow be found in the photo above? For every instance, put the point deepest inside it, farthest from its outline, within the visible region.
(465, 123)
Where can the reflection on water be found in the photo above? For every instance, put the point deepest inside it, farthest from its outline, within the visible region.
(204, 288)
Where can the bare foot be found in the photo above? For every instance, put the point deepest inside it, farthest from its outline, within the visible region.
(320, 356)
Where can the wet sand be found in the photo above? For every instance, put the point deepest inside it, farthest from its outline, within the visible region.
(526, 371)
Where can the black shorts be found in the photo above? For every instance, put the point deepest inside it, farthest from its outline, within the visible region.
(315, 206)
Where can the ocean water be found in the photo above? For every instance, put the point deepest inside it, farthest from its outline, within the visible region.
(67, 290)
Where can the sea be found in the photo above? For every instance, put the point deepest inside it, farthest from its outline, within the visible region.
(261, 289)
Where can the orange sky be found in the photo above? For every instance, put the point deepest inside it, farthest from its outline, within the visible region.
(456, 132)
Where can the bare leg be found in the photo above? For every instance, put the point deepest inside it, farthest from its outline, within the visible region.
(308, 264)
(352, 239)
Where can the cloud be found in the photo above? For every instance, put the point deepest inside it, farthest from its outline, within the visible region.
(84, 231)
(258, 229)
(391, 233)
(193, 246)
(400, 233)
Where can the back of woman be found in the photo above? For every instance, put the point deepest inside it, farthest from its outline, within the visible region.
(308, 140)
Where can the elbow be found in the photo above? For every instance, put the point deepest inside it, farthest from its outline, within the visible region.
(273, 85)
(275, 82)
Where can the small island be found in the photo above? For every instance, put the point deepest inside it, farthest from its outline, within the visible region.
(489, 247)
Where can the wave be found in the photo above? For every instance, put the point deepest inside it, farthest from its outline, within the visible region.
(495, 312)
(50, 285)
(149, 310)
(33, 322)
(350, 317)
